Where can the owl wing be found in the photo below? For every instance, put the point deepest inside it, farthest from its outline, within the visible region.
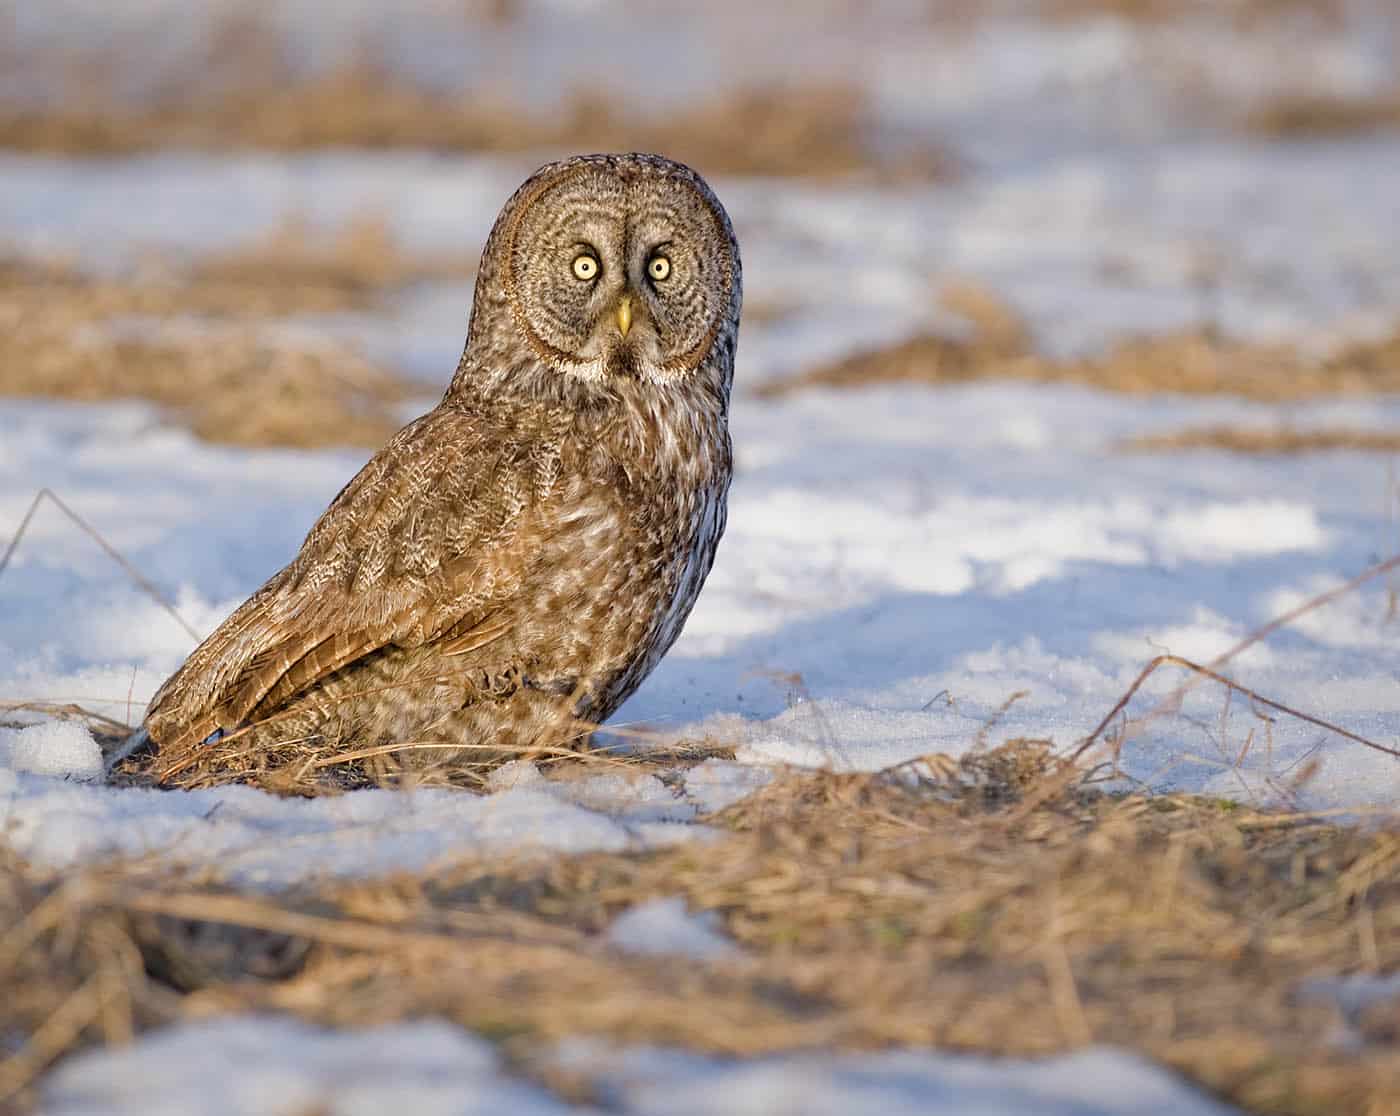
(426, 542)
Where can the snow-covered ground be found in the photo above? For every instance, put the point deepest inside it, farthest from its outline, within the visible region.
(276, 1067)
(915, 556)
(900, 563)
(1293, 242)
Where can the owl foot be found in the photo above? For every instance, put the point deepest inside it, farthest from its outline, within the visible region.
(136, 742)
(139, 741)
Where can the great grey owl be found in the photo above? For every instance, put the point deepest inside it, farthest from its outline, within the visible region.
(521, 556)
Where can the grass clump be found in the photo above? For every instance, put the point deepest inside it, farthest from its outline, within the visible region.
(195, 338)
(1266, 440)
(1002, 906)
(297, 267)
(1194, 362)
(1312, 116)
(818, 130)
(240, 387)
(1246, 14)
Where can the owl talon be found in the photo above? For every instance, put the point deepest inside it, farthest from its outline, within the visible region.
(136, 742)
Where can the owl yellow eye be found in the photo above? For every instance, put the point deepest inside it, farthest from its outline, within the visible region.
(585, 268)
(659, 268)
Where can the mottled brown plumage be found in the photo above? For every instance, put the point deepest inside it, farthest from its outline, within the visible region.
(523, 554)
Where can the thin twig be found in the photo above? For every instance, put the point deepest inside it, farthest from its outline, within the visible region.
(131, 571)
(66, 709)
(1216, 676)
(1173, 700)
(980, 741)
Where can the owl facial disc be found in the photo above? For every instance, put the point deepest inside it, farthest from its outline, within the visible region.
(617, 267)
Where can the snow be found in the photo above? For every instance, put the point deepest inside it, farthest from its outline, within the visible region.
(714, 784)
(277, 1067)
(252, 839)
(664, 926)
(1352, 994)
(876, 598)
(61, 748)
(1092, 1082)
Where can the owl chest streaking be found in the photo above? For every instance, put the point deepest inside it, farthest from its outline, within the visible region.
(511, 566)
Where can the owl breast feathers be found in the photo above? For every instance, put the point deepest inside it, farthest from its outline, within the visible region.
(510, 566)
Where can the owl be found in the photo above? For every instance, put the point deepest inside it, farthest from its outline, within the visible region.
(516, 561)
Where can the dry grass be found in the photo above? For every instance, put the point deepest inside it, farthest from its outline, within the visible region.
(1000, 908)
(1282, 115)
(1302, 117)
(239, 390)
(1197, 362)
(296, 267)
(1266, 440)
(195, 340)
(293, 268)
(250, 95)
(310, 766)
(1243, 13)
(236, 387)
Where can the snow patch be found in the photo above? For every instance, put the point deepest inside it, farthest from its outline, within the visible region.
(840, 736)
(60, 748)
(279, 1067)
(665, 926)
(717, 784)
(255, 839)
(1095, 1082)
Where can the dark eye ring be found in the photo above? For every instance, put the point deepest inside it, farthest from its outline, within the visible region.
(585, 267)
(659, 268)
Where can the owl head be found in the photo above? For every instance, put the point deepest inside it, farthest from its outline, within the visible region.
(612, 268)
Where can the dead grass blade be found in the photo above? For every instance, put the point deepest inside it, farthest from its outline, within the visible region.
(1069, 771)
(1228, 683)
(98, 722)
(1380, 569)
(54, 1035)
(83, 525)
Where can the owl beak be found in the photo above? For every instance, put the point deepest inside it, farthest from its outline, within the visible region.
(624, 315)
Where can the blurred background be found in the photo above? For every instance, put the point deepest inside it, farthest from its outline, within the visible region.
(265, 216)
